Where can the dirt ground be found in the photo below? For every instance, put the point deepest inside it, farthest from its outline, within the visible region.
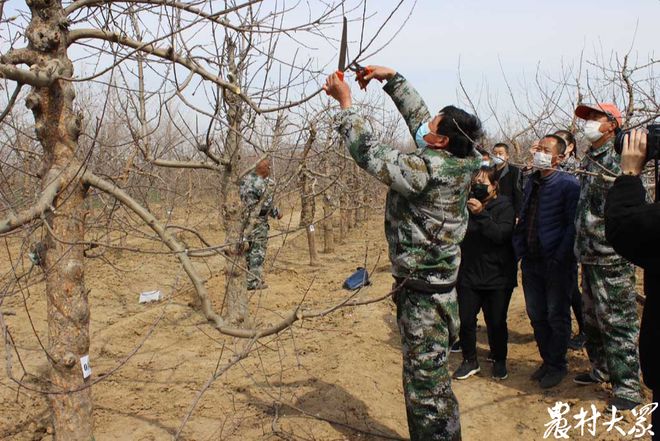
(333, 378)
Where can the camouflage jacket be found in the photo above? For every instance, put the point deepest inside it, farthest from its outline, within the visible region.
(591, 247)
(425, 213)
(570, 164)
(257, 193)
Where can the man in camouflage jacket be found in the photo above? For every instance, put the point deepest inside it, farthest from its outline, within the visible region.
(257, 195)
(608, 281)
(425, 222)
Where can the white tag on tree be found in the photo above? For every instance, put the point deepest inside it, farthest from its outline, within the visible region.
(150, 296)
(86, 369)
(311, 228)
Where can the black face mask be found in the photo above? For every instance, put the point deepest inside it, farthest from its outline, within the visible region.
(480, 191)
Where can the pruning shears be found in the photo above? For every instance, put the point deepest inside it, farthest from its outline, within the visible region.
(360, 71)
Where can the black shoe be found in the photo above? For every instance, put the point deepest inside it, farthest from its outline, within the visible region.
(499, 370)
(466, 370)
(621, 404)
(456, 347)
(552, 378)
(261, 285)
(540, 372)
(490, 357)
(588, 378)
(577, 342)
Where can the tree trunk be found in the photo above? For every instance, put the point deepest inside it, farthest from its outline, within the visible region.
(236, 300)
(307, 200)
(343, 218)
(311, 242)
(57, 127)
(328, 226)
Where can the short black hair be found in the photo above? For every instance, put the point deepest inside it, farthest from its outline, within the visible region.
(503, 145)
(493, 177)
(561, 144)
(568, 137)
(462, 129)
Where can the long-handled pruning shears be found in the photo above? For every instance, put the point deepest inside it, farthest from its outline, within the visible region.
(360, 71)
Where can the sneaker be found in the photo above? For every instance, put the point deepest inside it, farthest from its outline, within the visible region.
(577, 343)
(456, 347)
(540, 372)
(499, 370)
(490, 358)
(467, 369)
(552, 378)
(621, 404)
(261, 285)
(588, 378)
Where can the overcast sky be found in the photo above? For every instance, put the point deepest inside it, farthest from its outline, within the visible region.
(517, 36)
(521, 34)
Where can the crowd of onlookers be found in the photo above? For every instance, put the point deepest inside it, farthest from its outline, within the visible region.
(550, 219)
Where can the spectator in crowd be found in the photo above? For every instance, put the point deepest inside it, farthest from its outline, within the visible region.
(608, 280)
(570, 163)
(509, 176)
(633, 228)
(528, 168)
(544, 240)
(487, 274)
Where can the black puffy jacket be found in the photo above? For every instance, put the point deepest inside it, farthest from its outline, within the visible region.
(633, 228)
(487, 258)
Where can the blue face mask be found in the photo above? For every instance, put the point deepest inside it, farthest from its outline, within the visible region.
(421, 133)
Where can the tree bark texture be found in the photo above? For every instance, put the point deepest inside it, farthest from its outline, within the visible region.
(57, 127)
(236, 300)
(307, 200)
(328, 225)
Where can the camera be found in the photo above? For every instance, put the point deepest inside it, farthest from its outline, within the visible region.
(652, 141)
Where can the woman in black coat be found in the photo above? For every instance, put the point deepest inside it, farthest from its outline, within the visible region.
(487, 274)
(632, 226)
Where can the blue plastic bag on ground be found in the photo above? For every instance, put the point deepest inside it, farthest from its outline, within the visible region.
(357, 280)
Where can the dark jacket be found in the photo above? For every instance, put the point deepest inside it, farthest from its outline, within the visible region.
(510, 185)
(633, 228)
(558, 196)
(487, 259)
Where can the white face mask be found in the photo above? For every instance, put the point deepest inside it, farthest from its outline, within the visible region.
(592, 131)
(498, 160)
(542, 160)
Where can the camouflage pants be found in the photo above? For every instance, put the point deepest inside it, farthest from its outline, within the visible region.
(428, 324)
(611, 325)
(256, 255)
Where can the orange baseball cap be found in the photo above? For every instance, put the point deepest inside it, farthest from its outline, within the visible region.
(583, 110)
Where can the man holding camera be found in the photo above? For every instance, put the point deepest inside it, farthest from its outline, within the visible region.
(633, 227)
(608, 280)
(425, 221)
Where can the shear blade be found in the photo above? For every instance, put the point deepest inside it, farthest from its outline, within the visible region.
(343, 47)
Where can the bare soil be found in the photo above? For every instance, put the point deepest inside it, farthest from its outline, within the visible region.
(332, 378)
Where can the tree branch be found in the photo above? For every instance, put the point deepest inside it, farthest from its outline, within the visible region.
(44, 204)
(183, 6)
(22, 76)
(184, 164)
(11, 102)
(167, 54)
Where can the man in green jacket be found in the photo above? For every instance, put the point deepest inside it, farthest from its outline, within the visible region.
(608, 280)
(425, 222)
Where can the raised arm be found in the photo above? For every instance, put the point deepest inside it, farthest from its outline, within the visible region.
(404, 173)
(408, 101)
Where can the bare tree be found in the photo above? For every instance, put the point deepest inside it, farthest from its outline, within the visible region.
(80, 162)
